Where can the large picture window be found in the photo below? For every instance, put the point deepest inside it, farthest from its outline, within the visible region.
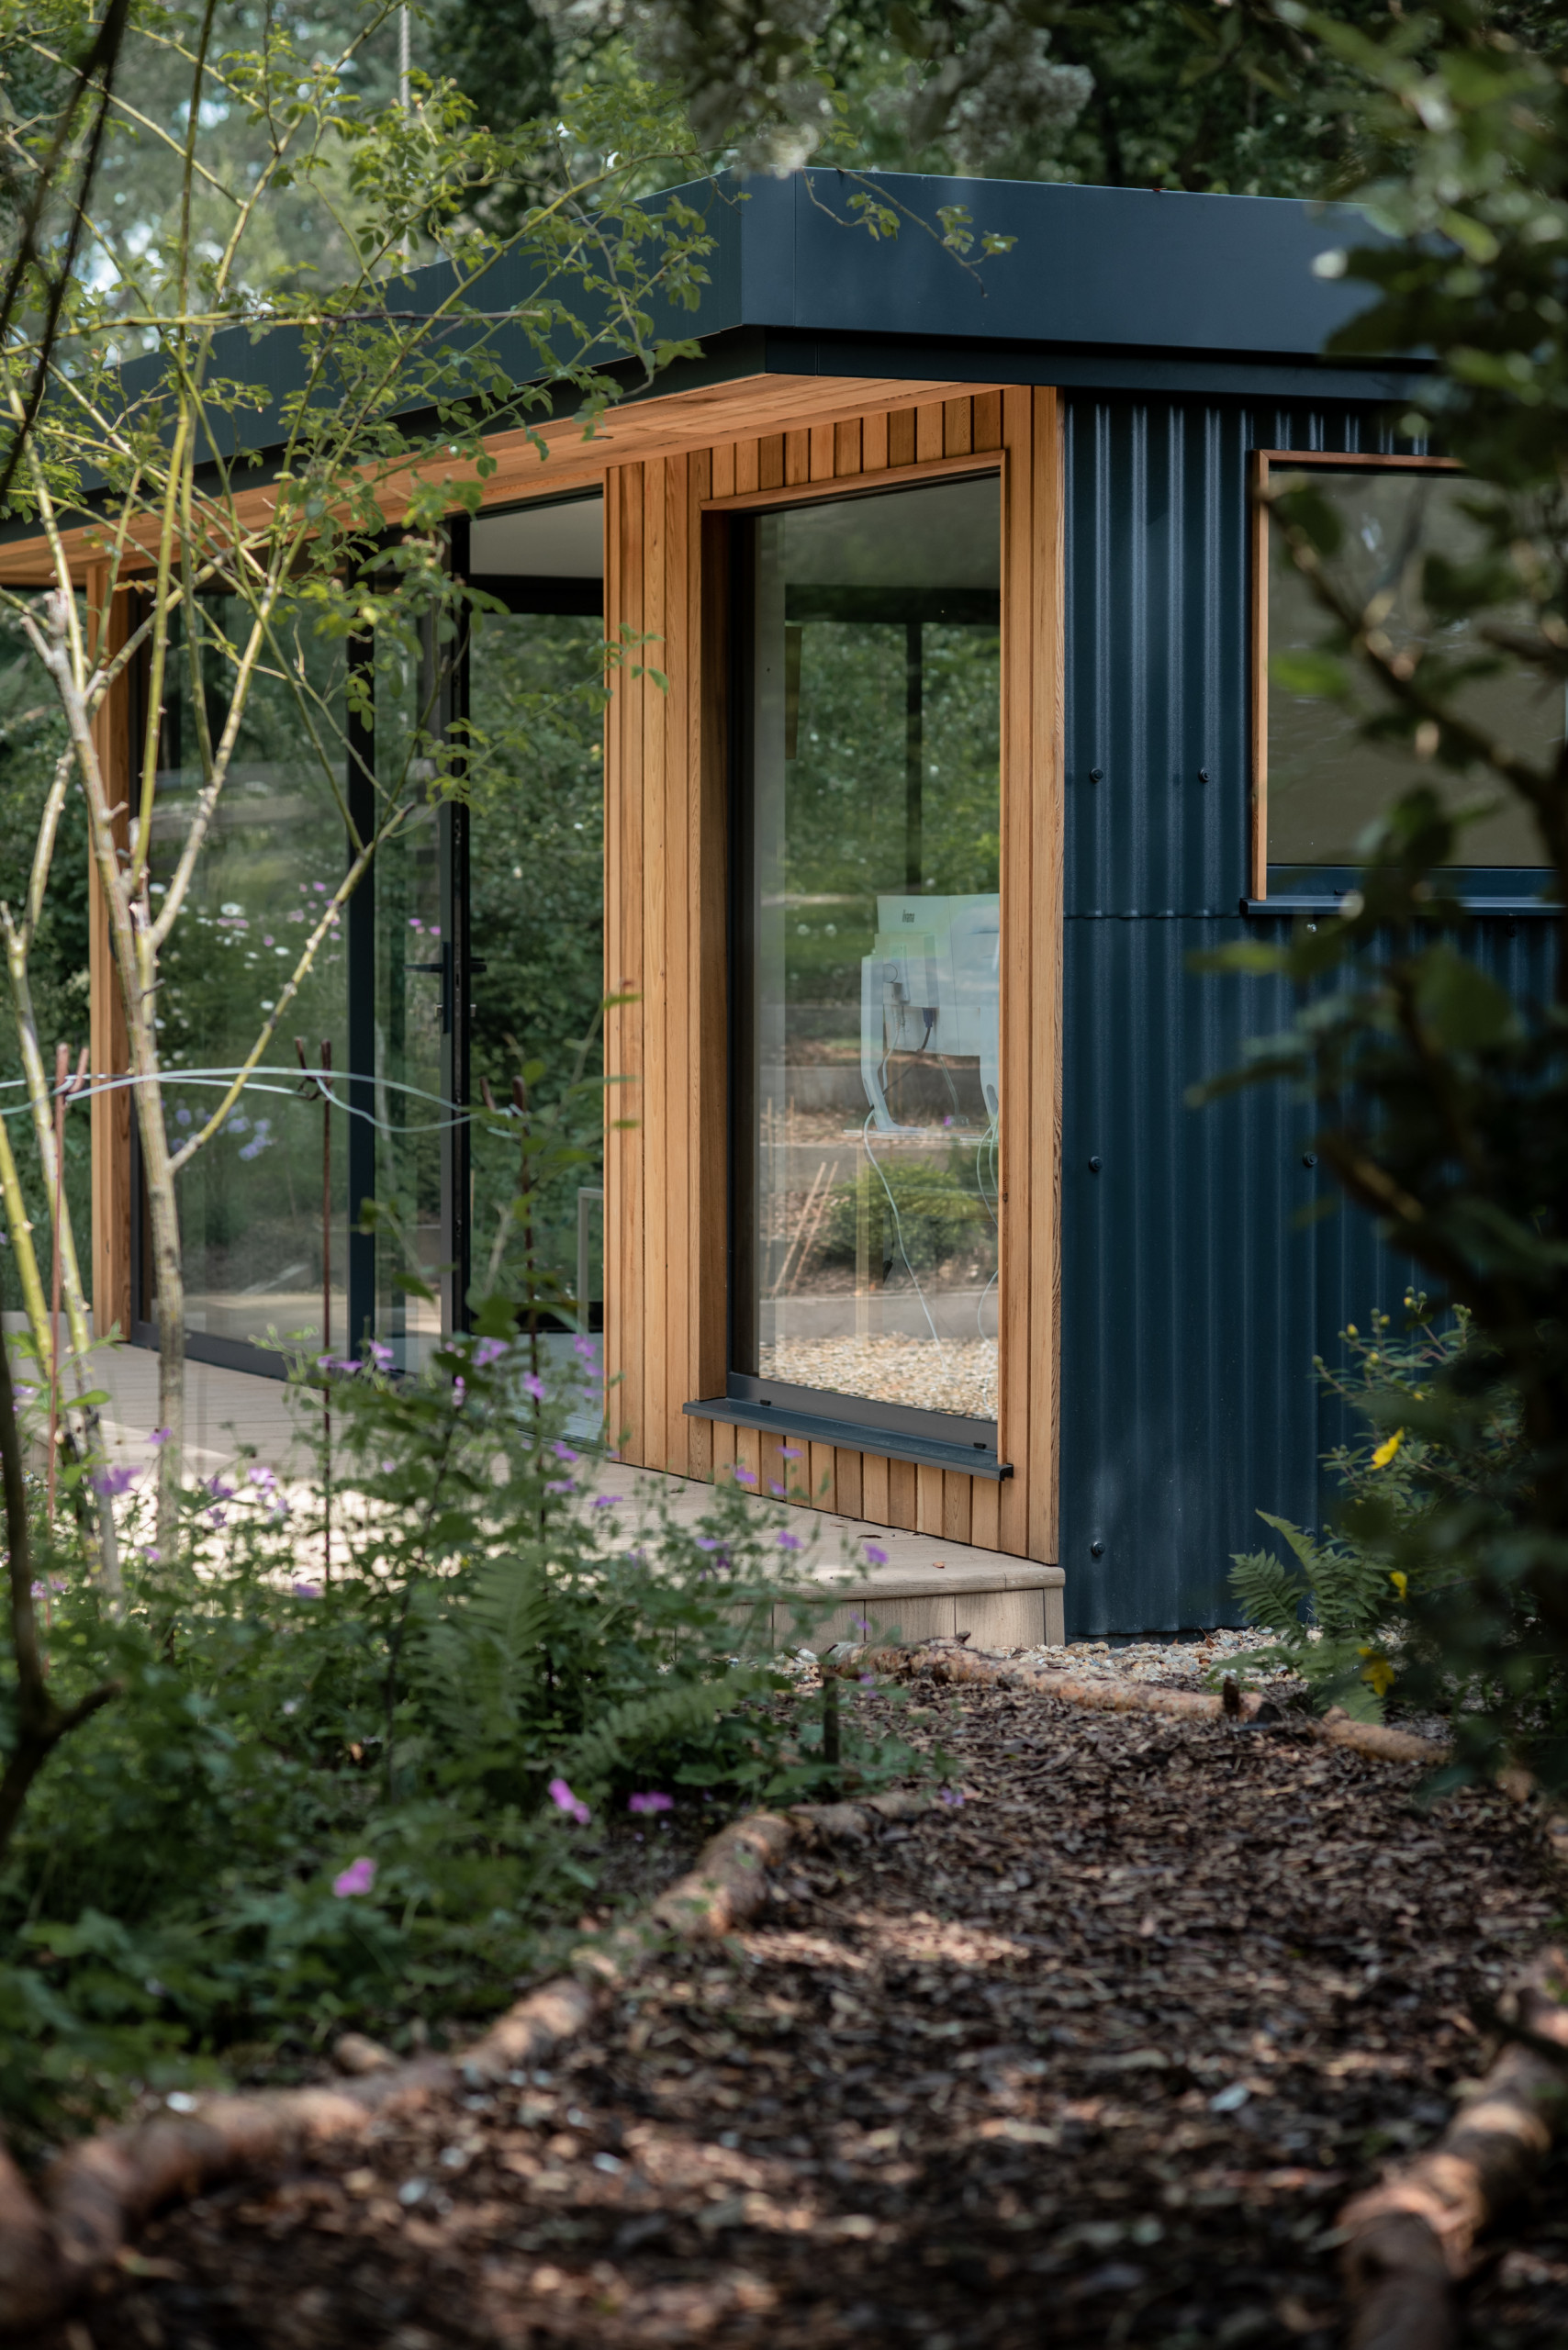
(863, 1229)
(1321, 782)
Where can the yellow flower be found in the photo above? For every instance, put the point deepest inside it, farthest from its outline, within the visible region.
(1387, 1449)
(1400, 1581)
(1351, 1331)
(1378, 1672)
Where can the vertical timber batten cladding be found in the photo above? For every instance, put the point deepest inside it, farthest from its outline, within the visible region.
(665, 900)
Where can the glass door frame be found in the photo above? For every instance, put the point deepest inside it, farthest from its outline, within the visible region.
(520, 594)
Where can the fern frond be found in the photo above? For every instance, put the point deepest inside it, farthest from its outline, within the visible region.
(1271, 1594)
(663, 1717)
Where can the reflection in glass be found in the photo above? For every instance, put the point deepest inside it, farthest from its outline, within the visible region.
(250, 1200)
(1325, 784)
(866, 1187)
(536, 884)
(412, 950)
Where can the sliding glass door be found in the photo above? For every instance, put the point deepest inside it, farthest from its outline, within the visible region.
(470, 956)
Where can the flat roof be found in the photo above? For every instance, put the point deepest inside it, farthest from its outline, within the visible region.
(1110, 269)
(1109, 289)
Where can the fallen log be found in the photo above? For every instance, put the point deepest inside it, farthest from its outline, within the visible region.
(54, 2241)
(1409, 2241)
(948, 1660)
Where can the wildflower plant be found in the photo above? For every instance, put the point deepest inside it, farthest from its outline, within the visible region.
(365, 1781)
(1354, 1607)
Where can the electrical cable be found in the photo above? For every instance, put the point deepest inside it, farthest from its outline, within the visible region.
(898, 1230)
(217, 1078)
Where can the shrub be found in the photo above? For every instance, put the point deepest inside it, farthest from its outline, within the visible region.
(1351, 1609)
(929, 1215)
(374, 1797)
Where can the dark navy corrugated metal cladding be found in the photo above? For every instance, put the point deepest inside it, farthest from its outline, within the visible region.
(1194, 1296)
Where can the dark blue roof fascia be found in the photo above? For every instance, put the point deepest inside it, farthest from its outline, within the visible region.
(1093, 268)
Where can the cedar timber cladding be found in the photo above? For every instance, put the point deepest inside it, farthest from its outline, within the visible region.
(666, 784)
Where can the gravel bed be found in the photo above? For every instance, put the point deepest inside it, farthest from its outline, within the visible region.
(1187, 1664)
(1091, 2057)
(950, 1375)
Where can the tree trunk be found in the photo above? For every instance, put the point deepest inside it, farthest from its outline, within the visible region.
(163, 1205)
(82, 1424)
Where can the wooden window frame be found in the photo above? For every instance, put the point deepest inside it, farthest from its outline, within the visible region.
(1262, 462)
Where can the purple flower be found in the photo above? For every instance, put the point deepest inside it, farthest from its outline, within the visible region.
(488, 1351)
(181, 1117)
(358, 1877)
(305, 1590)
(565, 1800)
(216, 1517)
(650, 1803)
(159, 1436)
(860, 1624)
(380, 1353)
(152, 1553)
(604, 1501)
(744, 1476)
(564, 1451)
(709, 1542)
(788, 1542)
(868, 1681)
(790, 1452)
(458, 1390)
(876, 1553)
(583, 1349)
(219, 1491)
(534, 1385)
(560, 1486)
(109, 1482)
(264, 1478)
(951, 1794)
(778, 1489)
(414, 921)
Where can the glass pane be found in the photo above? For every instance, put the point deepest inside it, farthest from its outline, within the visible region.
(536, 881)
(1326, 785)
(251, 1202)
(410, 958)
(868, 1184)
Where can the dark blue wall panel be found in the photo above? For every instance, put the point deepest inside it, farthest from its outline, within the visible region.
(1193, 1298)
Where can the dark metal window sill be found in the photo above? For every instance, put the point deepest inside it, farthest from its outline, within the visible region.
(970, 1461)
(1511, 908)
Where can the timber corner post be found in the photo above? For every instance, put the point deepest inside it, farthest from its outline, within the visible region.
(667, 756)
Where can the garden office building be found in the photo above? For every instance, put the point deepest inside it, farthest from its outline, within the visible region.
(960, 749)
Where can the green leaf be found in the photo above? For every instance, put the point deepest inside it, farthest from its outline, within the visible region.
(1315, 675)
(1462, 1006)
